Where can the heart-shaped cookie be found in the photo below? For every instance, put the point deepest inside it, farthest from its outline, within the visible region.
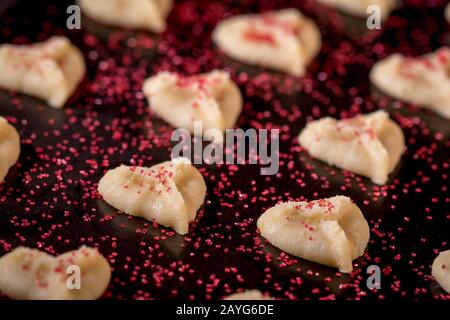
(30, 274)
(329, 231)
(169, 193)
(9, 147)
(283, 40)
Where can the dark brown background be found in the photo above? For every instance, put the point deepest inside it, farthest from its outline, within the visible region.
(49, 199)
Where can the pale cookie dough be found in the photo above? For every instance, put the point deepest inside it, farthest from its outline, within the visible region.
(248, 295)
(30, 274)
(138, 14)
(441, 270)
(49, 70)
(283, 40)
(447, 12)
(9, 147)
(329, 231)
(359, 7)
(211, 99)
(370, 145)
(424, 80)
(169, 193)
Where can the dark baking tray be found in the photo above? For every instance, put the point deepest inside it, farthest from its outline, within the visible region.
(49, 199)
